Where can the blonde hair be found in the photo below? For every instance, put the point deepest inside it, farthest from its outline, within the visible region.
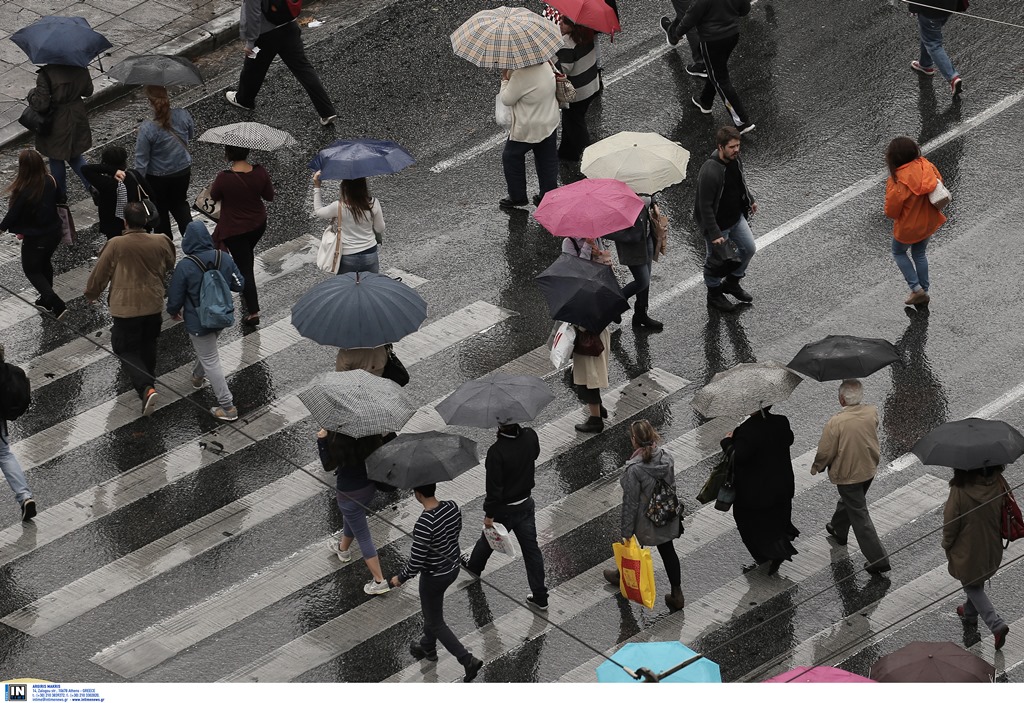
(161, 105)
(644, 434)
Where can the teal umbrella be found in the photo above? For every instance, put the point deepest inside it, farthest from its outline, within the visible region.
(657, 658)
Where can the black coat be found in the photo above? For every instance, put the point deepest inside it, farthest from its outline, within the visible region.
(943, 8)
(640, 252)
(59, 90)
(763, 470)
(101, 177)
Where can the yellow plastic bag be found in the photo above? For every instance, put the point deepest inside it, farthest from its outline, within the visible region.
(636, 571)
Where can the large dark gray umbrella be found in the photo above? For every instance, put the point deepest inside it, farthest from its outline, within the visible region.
(357, 403)
(68, 41)
(970, 444)
(156, 69)
(582, 292)
(499, 399)
(421, 458)
(841, 356)
(359, 311)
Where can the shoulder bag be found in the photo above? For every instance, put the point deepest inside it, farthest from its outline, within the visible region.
(588, 344)
(67, 222)
(152, 215)
(940, 197)
(565, 91)
(659, 223)
(328, 257)
(39, 123)
(1011, 525)
(502, 113)
(394, 369)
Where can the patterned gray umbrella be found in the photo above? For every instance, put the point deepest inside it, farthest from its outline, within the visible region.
(357, 403)
(744, 389)
(421, 458)
(156, 69)
(249, 135)
(499, 399)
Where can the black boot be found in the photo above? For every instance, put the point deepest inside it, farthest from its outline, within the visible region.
(642, 319)
(717, 299)
(593, 424)
(732, 287)
(604, 413)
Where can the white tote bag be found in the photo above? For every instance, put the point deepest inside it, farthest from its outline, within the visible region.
(497, 537)
(502, 113)
(562, 344)
(940, 197)
(328, 256)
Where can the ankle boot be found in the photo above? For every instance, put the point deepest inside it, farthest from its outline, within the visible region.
(675, 600)
(593, 424)
(717, 299)
(642, 319)
(611, 576)
(733, 288)
(604, 413)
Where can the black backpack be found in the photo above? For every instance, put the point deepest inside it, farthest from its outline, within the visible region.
(664, 505)
(280, 12)
(15, 392)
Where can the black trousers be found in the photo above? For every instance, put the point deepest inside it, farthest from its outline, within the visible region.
(575, 135)
(36, 255)
(520, 520)
(680, 6)
(134, 341)
(286, 42)
(170, 195)
(432, 590)
(716, 60)
(671, 561)
(243, 248)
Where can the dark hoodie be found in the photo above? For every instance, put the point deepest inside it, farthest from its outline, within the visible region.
(184, 290)
(714, 19)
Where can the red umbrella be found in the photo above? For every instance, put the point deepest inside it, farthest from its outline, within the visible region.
(589, 208)
(596, 14)
(932, 662)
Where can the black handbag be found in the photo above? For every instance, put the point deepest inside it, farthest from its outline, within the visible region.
(719, 476)
(588, 344)
(36, 122)
(394, 369)
(725, 258)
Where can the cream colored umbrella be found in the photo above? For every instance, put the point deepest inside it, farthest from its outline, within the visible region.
(645, 161)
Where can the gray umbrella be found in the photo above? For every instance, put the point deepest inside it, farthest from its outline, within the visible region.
(357, 403)
(156, 69)
(972, 443)
(249, 135)
(744, 389)
(421, 458)
(499, 399)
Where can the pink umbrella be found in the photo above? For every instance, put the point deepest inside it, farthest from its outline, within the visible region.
(818, 674)
(589, 208)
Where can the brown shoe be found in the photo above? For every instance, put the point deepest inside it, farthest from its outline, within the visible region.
(612, 576)
(918, 297)
(675, 600)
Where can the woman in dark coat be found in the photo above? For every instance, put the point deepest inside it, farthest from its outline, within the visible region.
(973, 543)
(60, 90)
(635, 248)
(764, 484)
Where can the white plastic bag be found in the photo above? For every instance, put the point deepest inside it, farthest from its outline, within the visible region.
(502, 113)
(562, 344)
(497, 537)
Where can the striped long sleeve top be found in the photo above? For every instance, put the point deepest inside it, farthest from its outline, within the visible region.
(435, 542)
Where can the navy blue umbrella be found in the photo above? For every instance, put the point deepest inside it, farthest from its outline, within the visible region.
(359, 311)
(68, 41)
(346, 159)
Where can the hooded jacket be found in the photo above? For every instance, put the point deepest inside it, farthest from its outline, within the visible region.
(183, 293)
(638, 482)
(714, 19)
(906, 201)
(970, 530)
(60, 89)
(710, 184)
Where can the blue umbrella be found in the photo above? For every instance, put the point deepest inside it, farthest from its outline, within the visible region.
(659, 657)
(346, 159)
(359, 311)
(68, 41)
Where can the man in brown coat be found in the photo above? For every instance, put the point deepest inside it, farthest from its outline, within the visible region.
(135, 265)
(849, 450)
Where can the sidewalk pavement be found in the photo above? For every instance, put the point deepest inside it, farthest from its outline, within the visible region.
(174, 27)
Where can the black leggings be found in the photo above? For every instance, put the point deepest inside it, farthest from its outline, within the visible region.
(170, 195)
(36, 254)
(242, 248)
(671, 561)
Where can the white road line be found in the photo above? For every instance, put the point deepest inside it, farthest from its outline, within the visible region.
(156, 644)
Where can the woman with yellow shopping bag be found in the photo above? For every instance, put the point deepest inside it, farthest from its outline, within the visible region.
(651, 515)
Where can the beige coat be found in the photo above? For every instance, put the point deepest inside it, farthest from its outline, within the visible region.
(530, 92)
(849, 446)
(592, 371)
(370, 360)
(135, 265)
(971, 529)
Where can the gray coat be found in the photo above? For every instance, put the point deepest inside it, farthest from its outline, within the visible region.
(638, 482)
(971, 529)
(61, 89)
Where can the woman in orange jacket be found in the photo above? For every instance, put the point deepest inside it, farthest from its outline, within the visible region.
(911, 178)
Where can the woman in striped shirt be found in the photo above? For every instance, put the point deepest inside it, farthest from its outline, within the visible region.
(577, 59)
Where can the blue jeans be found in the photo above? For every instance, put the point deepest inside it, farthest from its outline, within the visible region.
(932, 51)
(60, 174)
(521, 521)
(11, 468)
(916, 271)
(545, 157)
(744, 238)
(362, 261)
(351, 503)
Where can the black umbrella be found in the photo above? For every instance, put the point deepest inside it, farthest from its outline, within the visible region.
(840, 356)
(68, 41)
(499, 399)
(970, 444)
(421, 458)
(156, 69)
(582, 292)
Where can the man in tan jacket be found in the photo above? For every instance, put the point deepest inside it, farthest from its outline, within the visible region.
(135, 265)
(849, 451)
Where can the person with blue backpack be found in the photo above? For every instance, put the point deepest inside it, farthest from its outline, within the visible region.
(200, 294)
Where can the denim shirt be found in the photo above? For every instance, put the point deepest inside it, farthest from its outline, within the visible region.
(157, 152)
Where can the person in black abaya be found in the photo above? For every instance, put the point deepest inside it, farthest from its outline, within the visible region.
(764, 484)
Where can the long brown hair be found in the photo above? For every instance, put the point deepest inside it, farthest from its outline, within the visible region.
(356, 195)
(578, 33)
(31, 177)
(901, 151)
(646, 438)
(161, 104)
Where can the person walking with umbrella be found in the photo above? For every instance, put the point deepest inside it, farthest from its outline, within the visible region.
(359, 222)
(578, 61)
(163, 158)
(60, 92)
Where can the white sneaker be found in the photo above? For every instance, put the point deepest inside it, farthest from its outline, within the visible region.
(375, 588)
(230, 97)
(345, 555)
(325, 121)
(199, 382)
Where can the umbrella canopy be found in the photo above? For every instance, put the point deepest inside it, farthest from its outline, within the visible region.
(744, 389)
(68, 41)
(840, 356)
(499, 399)
(346, 159)
(932, 662)
(582, 292)
(421, 458)
(644, 161)
(589, 208)
(359, 311)
(156, 69)
(357, 403)
(506, 37)
(970, 444)
(818, 674)
(659, 657)
(596, 14)
(249, 135)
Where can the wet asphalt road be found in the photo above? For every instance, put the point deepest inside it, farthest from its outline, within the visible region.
(827, 89)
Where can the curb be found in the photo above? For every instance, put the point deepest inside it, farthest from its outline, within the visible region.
(203, 39)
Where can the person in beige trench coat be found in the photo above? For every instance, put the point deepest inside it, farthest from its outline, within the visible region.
(590, 374)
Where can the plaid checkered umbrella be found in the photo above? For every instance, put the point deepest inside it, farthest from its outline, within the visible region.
(357, 403)
(506, 37)
(744, 389)
(156, 69)
(421, 458)
(249, 135)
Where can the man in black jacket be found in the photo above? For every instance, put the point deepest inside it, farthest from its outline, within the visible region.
(510, 466)
(696, 68)
(931, 18)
